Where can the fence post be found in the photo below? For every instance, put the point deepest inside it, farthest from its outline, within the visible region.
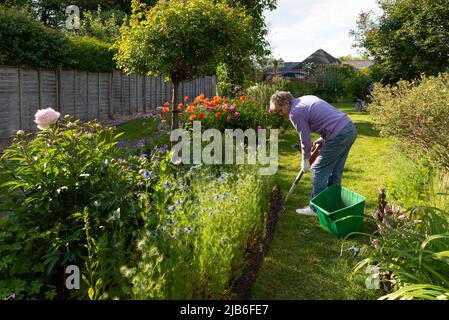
(19, 76)
(98, 96)
(87, 94)
(144, 93)
(110, 105)
(39, 94)
(74, 94)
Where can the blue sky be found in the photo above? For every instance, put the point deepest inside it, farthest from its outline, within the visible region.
(297, 28)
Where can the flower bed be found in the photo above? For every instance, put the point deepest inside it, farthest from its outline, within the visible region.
(134, 224)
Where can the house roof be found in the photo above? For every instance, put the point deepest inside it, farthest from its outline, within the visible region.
(287, 66)
(359, 64)
(318, 57)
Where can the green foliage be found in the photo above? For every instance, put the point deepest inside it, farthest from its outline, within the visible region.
(87, 53)
(412, 183)
(417, 114)
(261, 93)
(181, 39)
(26, 42)
(103, 25)
(409, 38)
(197, 248)
(54, 178)
(136, 225)
(411, 252)
(357, 85)
(299, 88)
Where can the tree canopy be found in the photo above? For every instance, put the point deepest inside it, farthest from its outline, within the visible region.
(183, 39)
(409, 38)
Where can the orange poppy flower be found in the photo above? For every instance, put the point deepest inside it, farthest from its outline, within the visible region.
(180, 106)
(192, 117)
(186, 98)
(242, 98)
(193, 108)
(167, 104)
(218, 115)
(165, 109)
(201, 116)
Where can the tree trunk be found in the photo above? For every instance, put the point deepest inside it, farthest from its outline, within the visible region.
(174, 107)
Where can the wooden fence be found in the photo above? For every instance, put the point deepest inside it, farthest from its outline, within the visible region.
(85, 95)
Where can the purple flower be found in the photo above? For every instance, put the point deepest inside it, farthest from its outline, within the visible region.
(140, 143)
(143, 156)
(171, 208)
(130, 168)
(121, 144)
(170, 222)
(166, 185)
(148, 175)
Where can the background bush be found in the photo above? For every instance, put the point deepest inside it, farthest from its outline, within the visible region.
(417, 114)
(26, 42)
(87, 53)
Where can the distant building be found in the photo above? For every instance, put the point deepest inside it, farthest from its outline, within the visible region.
(297, 70)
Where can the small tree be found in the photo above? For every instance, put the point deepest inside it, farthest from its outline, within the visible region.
(182, 40)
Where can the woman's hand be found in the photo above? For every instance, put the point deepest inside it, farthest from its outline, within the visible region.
(305, 165)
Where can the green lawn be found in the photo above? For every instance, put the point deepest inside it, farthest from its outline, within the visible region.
(304, 261)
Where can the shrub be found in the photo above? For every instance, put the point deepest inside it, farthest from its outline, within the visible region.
(358, 85)
(87, 53)
(25, 41)
(71, 202)
(417, 114)
(261, 93)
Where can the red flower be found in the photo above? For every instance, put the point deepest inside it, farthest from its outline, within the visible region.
(218, 114)
(200, 115)
(186, 98)
(192, 117)
(164, 116)
(167, 104)
(228, 118)
(180, 106)
(242, 98)
(165, 109)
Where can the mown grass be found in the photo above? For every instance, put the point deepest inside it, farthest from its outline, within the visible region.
(147, 129)
(304, 261)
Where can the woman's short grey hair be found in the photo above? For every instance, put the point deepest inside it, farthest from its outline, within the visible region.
(280, 98)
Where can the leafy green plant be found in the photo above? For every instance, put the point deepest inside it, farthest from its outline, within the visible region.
(53, 178)
(416, 114)
(411, 248)
(261, 93)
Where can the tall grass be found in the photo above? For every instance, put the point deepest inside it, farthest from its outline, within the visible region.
(262, 92)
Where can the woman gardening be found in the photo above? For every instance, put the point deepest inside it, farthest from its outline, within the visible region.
(337, 134)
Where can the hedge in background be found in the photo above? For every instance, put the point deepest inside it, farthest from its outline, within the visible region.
(26, 42)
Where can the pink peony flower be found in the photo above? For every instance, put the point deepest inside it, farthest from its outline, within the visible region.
(228, 118)
(232, 108)
(237, 114)
(45, 118)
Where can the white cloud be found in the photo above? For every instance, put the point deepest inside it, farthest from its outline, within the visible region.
(299, 28)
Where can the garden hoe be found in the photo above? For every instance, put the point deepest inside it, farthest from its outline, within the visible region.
(315, 153)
